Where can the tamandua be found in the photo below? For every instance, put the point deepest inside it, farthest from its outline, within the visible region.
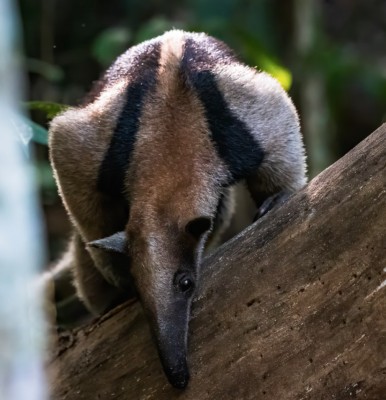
(145, 169)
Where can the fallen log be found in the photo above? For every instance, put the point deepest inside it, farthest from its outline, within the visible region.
(292, 308)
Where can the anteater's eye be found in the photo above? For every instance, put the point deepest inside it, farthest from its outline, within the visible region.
(185, 284)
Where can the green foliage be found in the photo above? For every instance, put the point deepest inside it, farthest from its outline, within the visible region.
(279, 72)
(258, 56)
(49, 108)
(36, 132)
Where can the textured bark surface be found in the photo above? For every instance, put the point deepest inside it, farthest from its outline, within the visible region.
(292, 308)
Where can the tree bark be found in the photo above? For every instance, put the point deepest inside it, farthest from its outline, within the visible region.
(292, 308)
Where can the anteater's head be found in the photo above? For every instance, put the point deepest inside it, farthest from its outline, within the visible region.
(164, 255)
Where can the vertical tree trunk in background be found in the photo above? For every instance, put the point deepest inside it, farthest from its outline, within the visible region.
(316, 122)
(21, 324)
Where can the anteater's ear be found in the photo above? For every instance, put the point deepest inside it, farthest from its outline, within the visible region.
(116, 243)
(198, 226)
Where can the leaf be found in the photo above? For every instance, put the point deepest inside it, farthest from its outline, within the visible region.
(259, 56)
(50, 109)
(269, 65)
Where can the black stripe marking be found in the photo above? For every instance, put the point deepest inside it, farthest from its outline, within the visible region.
(233, 141)
(140, 64)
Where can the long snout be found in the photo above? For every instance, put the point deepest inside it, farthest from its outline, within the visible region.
(171, 336)
(174, 361)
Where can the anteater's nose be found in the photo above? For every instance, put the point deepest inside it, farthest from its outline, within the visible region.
(178, 375)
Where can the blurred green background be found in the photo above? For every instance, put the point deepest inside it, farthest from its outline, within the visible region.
(329, 55)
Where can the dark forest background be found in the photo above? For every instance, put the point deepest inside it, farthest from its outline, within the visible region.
(329, 55)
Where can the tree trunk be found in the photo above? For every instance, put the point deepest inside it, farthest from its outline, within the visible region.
(21, 320)
(318, 130)
(292, 308)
